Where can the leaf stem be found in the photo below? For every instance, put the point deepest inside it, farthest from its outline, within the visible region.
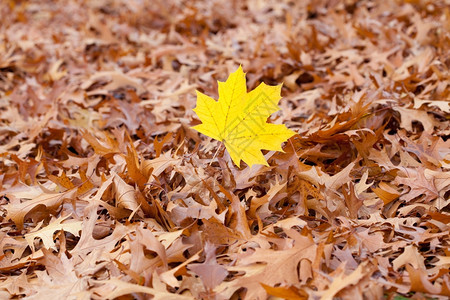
(215, 154)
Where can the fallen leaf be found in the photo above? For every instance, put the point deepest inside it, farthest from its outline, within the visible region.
(118, 287)
(290, 293)
(125, 194)
(211, 273)
(411, 256)
(17, 212)
(238, 119)
(341, 280)
(46, 233)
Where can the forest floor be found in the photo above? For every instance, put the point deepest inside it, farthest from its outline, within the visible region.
(108, 192)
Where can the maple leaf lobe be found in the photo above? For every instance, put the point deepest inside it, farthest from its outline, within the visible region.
(238, 119)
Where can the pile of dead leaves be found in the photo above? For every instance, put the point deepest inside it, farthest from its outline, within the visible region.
(107, 192)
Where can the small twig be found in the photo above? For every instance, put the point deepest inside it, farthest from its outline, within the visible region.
(215, 154)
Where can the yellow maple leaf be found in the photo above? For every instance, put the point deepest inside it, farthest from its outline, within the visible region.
(238, 119)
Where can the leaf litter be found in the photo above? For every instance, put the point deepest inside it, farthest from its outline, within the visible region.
(108, 192)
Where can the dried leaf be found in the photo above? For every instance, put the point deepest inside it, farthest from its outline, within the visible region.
(211, 273)
(46, 233)
(125, 194)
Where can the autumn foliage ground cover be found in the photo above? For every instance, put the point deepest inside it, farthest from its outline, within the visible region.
(107, 191)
